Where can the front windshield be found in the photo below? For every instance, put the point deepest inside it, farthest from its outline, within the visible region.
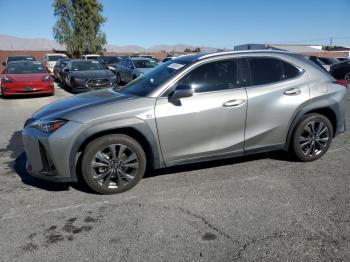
(146, 84)
(87, 66)
(111, 59)
(20, 58)
(54, 57)
(145, 63)
(25, 68)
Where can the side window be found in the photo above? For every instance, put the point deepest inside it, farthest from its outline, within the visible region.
(213, 76)
(265, 70)
(289, 70)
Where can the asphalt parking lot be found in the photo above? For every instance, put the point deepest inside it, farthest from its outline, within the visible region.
(258, 208)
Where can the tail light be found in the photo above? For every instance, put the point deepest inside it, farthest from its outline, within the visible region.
(342, 82)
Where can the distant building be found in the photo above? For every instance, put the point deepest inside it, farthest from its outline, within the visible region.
(309, 50)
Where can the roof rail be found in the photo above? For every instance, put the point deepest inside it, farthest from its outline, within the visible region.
(240, 52)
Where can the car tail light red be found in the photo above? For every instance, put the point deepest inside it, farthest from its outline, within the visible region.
(342, 82)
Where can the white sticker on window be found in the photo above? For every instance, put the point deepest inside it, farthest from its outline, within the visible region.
(94, 62)
(175, 66)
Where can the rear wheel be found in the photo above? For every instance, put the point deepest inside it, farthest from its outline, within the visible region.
(312, 137)
(113, 164)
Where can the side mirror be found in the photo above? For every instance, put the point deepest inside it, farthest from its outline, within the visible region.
(182, 91)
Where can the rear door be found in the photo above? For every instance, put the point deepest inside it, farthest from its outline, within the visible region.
(275, 91)
(210, 123)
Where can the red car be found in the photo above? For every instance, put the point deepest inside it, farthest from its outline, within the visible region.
(26, 77)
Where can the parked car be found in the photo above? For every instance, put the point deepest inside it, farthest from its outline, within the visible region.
(51, 59)
(110, 62)
(343, 59)
(327, 62)
(58, 72)
(168, 58)
(131, 68)
(190, 109)
(91, 56)
(341, 70)
(85, 75)
(18, 58)
(26, 77)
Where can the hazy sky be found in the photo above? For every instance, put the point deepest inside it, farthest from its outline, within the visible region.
(217, 23)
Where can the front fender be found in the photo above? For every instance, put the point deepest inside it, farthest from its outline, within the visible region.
(137, 124)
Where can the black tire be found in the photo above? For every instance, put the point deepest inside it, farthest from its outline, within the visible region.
(117, 183)
(309, 143)
(119, 79)
(347, 77)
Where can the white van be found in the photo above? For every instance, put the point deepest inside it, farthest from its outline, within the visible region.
(51, 59)
(90, 56)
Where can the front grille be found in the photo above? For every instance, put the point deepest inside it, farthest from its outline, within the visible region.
(96, 83)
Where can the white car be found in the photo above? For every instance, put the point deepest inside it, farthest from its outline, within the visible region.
(90, 57)
(51, 59)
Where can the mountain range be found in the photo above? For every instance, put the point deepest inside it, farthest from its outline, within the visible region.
(11, 43)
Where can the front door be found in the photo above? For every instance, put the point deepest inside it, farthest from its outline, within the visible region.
(211, 123)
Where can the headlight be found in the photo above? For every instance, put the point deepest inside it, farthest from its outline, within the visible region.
(48, 126)
(6, 80)
(47, 79)
(111, 68)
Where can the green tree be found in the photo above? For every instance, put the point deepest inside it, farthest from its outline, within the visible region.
(78, 26)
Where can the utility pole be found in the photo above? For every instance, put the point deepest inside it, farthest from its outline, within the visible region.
(331, 41)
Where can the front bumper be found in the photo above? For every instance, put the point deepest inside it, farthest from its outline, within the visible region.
(48, 155)
(28, 89)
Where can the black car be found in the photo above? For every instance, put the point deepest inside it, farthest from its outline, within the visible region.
(343, 59)
(341, 70)
(84, 75)
(58, 72)
(18, 58)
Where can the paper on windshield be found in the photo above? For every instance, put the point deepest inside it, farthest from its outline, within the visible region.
(175, 66)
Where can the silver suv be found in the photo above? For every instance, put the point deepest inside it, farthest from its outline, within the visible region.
(189, 109)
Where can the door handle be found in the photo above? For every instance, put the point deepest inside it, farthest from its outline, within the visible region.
(293, 92)
(235, 102)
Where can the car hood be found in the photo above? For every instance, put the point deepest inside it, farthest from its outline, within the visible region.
(93, 74)
(38, 77)
(64, 107)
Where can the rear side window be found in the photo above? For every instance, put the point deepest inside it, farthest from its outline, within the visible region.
(290, 71)
(268, 70)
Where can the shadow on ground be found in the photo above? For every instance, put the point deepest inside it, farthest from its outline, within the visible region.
(17, 164)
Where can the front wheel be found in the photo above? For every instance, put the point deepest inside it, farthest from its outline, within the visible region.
(347, 77)
(312, 137)
(113, 164)
(2, 95)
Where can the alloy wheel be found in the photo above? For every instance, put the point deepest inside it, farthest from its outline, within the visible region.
(314, 138)
(114, 166)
